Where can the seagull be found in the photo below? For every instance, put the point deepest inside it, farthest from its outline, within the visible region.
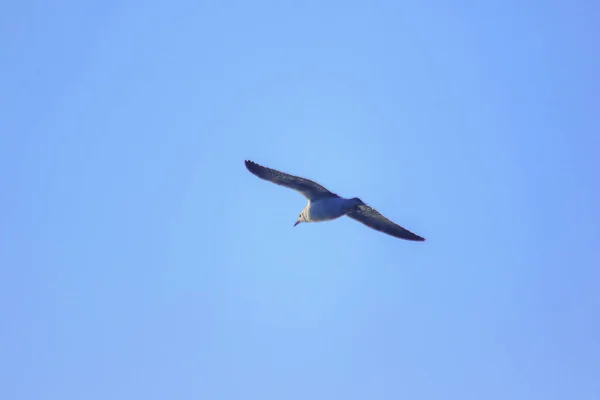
(324, 205)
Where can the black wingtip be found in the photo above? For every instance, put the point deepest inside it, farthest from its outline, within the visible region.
(249, 163)
(416, 238)
(251, 166)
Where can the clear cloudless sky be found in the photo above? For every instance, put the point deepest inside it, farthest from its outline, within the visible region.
(139, 259)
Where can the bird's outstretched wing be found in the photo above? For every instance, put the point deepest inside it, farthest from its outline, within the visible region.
(373, 219)
(311, 190)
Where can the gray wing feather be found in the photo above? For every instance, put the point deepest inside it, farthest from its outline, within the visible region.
(373, 219)
(311, 190)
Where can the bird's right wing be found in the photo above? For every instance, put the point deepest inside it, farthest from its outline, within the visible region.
(311, 190)
(373, 219)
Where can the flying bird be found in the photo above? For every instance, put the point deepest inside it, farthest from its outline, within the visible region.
(324, 205)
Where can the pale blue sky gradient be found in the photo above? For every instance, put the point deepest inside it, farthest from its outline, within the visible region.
(140, 260)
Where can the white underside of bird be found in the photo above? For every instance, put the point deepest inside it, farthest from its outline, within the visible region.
(327, 209)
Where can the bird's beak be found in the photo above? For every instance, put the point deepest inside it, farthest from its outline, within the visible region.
(297, 222)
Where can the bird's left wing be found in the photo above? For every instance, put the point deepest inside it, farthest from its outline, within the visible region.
(311, 190)
(373, 219)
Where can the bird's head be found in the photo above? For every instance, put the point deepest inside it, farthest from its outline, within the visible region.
(301, 219)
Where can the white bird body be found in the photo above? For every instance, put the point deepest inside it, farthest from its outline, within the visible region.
(327, 209)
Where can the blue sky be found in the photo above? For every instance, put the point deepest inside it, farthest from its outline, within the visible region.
(139, 258)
